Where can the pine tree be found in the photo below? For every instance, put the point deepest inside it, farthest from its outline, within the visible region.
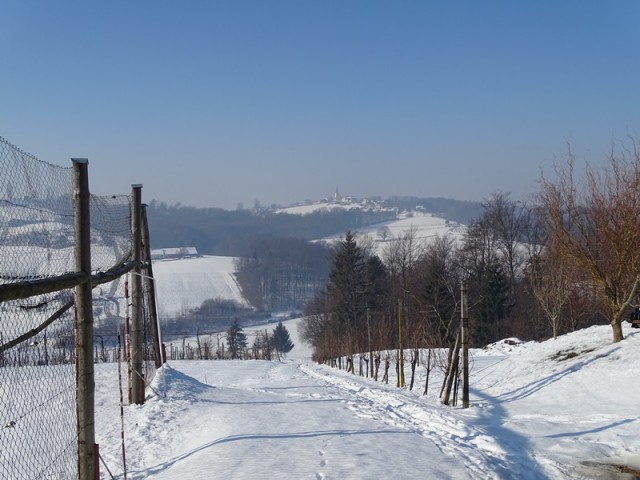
(280, 339)
(346, 292)
(236, 340)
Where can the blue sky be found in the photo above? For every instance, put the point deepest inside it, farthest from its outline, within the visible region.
(212, 103)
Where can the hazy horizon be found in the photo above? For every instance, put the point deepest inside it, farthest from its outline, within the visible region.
(213, 104)
(312, 201)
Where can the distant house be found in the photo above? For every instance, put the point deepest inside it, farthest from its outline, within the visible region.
(169, 253)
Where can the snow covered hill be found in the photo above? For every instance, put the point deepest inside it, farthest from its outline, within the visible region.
(329, 205)
(559, 409)
(425, 225)
(183, 284)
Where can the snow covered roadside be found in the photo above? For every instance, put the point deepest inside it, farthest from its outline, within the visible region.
(557, 409)
(574, 400)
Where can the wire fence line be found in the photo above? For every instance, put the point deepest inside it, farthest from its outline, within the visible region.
(47, 324)
(37, 233)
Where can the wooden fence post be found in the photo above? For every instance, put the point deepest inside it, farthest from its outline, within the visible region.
(151, 292)
(85, 386)
(464, 320)
(401, 383)
(137, 357)
(452, 369)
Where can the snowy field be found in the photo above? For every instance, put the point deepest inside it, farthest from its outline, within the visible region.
(185, 283)
(425, 225)
(560, 409)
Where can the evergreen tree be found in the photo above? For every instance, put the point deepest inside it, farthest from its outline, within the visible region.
(280, 339)
(346, 292)
(236, 340)
(492, 291)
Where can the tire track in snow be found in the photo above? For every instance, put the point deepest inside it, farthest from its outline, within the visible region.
(480, 453)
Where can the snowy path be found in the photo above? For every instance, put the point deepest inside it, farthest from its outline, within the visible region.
(451, 430)
(287, 420)
(564, 408)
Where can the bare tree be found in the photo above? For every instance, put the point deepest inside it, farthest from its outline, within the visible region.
(383, 233)
(401, 256)
(508, 221)
(550, 284)
(598, 227)
(437, 289)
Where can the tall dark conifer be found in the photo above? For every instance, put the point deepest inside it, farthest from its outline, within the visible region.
(236, 340)
(346, 291)
(280, 339)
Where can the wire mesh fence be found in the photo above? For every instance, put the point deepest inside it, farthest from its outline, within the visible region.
(39, 422)
(36, 224)
(111, 302)
(37, 390)
(37, 220)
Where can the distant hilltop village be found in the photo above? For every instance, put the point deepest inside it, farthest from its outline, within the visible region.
(462, 212)
(339, 198)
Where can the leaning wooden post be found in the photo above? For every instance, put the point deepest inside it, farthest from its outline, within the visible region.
(464, 327)
(85, 385)
(151, 291)
(451, 369)
(137, 378)
(400, 345)
(370, 347)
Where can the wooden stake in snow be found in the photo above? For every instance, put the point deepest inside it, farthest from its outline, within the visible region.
(464, 328)
(137, 375)
(87, 460)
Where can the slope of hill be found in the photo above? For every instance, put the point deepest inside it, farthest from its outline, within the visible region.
(425, 225)
(183, 284)
(454, 210)
(327, 206)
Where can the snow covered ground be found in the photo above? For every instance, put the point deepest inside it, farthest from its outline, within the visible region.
(553, 410)
(425, 225)
(184, 284)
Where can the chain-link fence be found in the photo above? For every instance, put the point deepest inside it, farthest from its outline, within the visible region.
(37, 390)
(40, 427)
(37, 371)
